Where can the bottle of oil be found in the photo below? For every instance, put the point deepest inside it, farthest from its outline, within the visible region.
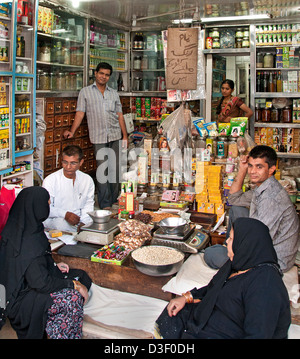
(19, 46)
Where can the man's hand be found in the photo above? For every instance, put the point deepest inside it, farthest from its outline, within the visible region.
(72, 218)
(68, 134)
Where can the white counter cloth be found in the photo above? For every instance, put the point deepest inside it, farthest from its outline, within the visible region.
(127, 310)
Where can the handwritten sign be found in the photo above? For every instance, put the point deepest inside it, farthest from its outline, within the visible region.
(182, 56)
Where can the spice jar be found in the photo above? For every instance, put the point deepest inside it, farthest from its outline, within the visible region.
(266, 115)
(287, 114)
(268, 60)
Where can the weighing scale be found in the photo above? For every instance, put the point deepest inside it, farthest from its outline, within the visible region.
(191, 241)
(97, 233)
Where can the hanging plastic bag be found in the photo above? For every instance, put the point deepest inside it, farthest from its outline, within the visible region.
(175, 129)
(7, 197)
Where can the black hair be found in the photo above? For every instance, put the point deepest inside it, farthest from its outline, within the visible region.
(266, 152)
(73, 150)
(104, 65)
(231, 85)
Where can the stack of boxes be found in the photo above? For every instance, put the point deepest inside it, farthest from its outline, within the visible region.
(208, 187)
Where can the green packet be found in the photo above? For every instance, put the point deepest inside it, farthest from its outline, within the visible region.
(224, 128)
(238, 126)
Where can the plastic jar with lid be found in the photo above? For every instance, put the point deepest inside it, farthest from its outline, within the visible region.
(287, 114)
(266, 115)
(216, 43)
(215, 32)
(239, 33)
(269, 60)
(245, 42)
(44, 81)
(238, 43)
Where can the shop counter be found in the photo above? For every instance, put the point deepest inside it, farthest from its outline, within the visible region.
(125, 278)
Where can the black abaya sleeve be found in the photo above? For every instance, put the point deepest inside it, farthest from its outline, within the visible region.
(39, 277)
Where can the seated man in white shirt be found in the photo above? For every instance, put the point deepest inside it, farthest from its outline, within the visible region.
(71, 193)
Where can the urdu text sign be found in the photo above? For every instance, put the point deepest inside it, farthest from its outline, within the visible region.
(182, 56)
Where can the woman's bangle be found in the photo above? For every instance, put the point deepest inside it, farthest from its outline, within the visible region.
(188, 297)
(76, 285)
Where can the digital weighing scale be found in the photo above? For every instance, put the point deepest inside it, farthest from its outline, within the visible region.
(97, 233)
(191, 241)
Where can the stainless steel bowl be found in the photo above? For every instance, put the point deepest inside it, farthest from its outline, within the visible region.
(100, 215)
(173, 225)
(157, 270)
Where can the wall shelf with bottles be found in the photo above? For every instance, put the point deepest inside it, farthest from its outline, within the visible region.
(60, 51)
(107, 44)
(277, 88)
(147, 63)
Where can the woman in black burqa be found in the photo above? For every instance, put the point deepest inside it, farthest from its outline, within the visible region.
(245, 299)
(42, 297)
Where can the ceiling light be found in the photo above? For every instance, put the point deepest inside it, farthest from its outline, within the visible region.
(182, 21)
(234, 18)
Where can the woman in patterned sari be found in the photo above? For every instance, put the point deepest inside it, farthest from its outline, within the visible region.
(42, 298)
(231, 106)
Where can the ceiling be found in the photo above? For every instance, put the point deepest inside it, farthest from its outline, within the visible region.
(159, 13)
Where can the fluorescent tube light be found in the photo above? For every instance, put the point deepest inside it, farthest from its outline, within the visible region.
(235, 18)
(182, 21)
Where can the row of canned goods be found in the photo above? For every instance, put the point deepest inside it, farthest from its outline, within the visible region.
(61, 81)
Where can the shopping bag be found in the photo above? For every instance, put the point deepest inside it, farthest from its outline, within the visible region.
(7, 197)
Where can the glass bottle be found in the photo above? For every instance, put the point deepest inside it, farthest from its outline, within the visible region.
(279, 82)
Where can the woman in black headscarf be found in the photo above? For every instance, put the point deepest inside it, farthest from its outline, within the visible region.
(41, 297)
(245, 299)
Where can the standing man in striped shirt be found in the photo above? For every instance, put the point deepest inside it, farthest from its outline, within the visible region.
(107, 131)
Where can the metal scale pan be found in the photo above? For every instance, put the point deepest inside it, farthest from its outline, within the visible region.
(99, 233)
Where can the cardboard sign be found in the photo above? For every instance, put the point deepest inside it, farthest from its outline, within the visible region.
(182, 57)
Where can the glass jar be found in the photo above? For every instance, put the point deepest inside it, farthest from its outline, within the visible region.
(137, 63)
(44, 81)
(68, 81)
(73, 81)
(266, 115)
(268, 60)
(259, 60)
(287, 114)
(38, 77)
(215, 32)
(66, 55)
(245, 42)
(61, 82)
(45, 53)
(216, 43)
(238, 43)
(52, 79)
(239, 33)
(257, 114)
(79, 81)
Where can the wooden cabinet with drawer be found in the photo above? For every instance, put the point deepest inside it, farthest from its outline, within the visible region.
(59, 116)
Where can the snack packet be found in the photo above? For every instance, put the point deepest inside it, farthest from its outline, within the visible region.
(199, 124)
(238, 126)
(211, 128)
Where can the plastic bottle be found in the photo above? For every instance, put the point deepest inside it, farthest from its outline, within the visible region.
(230, 163)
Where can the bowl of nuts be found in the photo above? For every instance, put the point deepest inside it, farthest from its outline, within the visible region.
(157, 260)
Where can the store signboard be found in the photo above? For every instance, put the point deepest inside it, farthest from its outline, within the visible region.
(181, 61)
